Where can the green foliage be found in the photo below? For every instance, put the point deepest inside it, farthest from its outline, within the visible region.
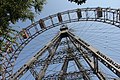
(79, 2)
(14, 10)
(11, 11)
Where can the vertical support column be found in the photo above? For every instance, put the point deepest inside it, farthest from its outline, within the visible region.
(95, 63)
(84, 74)
(51, 20)
(69, 16)
(60, 17)
(86, 15)
(95, 15)
(63, 70)
(117, 12)
(42, 24)
(113, 18)
(106, 15)
(36, 28)
(28, 32)
(119, 16)
(107, 11)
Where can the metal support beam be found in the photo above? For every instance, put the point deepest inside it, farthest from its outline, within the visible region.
(69, 76)
(114, 67)
(56, 60)
(63, 70)
(95, 63)
(26, 66)
(34, 73)
(89, 61)
(84, 74)
(48, 60)
(73, 57)
(84, 48)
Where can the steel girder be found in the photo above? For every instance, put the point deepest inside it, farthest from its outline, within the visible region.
(84, 49)
(51, 45)
(71, 56)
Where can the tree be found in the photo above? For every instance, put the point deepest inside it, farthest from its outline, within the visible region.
(79, 2)
(13, 10)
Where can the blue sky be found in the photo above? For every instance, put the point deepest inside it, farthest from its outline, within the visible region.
(55, 6)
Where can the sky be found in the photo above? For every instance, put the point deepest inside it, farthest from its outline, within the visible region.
(55, 6)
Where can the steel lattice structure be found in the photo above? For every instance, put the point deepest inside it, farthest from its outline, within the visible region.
(91, 55)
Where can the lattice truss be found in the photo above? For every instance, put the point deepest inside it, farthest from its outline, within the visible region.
(64, 49)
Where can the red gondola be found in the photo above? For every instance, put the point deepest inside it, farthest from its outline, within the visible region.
(24, 34)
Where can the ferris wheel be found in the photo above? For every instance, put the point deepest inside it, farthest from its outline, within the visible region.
(79, 44)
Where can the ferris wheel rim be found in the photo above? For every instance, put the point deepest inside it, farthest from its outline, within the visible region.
(60, 22)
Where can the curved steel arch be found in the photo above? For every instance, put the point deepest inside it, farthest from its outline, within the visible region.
(109, 16)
